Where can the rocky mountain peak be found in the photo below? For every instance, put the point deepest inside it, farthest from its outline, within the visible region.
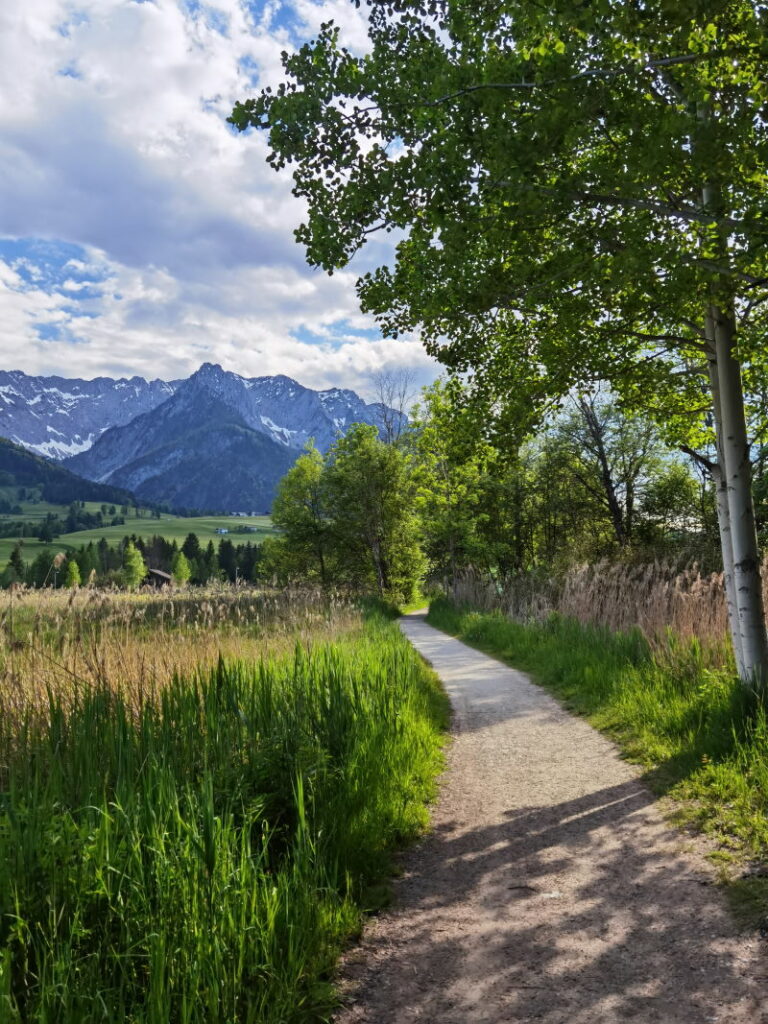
(139, 434)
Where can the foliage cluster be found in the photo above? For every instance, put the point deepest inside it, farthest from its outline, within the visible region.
(595, 482)
(201, 854)
(348, 518)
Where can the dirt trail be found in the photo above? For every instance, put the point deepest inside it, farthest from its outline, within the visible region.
(551, 888)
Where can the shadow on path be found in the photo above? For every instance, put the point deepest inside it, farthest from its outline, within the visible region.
(550, 889)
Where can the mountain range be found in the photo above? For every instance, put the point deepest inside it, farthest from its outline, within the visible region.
(213, 442)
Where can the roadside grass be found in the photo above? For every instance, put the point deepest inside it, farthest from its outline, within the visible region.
(203, 852)
(701, 735)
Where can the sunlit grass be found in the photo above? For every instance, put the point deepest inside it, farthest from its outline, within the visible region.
(670, 706)
(199, 852)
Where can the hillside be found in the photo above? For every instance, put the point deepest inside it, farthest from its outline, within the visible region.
(57, 484)
(193, 452)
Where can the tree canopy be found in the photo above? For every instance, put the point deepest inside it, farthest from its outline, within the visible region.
(579, 193)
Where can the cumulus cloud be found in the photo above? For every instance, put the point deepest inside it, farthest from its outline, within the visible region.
(162, 237)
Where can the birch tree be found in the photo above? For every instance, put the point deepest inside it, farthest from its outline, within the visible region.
(580, 194)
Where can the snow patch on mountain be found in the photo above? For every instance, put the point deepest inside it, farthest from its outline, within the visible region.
(81, 409)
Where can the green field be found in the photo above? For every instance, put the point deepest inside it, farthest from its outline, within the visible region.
(170, 527)
(29, 550)
(177, 528)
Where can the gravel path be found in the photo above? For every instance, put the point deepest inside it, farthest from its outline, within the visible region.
(551, 888)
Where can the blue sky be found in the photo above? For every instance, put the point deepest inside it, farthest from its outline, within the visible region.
(138, 232)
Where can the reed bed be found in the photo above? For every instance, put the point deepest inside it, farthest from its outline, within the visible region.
(55, 641)
(198, 851)
(658, 599)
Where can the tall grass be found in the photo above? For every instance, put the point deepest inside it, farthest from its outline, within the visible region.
(199, 853)
(655, 598)
(136, 643)
(669, 705)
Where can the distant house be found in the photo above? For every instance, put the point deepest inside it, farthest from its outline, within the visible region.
(158, 578)
(221, 529)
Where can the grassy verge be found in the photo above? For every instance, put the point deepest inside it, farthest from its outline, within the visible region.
(201, 855)
(703, 739)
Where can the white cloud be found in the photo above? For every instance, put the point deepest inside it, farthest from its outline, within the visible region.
(250, 320)
(113, 138)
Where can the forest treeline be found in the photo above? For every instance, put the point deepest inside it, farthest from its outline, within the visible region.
(594, 482)
(127, 563)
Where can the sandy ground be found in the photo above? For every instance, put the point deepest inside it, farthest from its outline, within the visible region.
(551, 888)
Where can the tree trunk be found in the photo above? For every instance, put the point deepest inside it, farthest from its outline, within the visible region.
(596, 430)
(750, 637)
(734, 445)
(721, 499)
(724, 529)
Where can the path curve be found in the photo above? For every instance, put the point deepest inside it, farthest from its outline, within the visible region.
(550, 889)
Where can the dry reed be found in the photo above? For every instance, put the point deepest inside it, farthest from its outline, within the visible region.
(658, 599)
(55, 642)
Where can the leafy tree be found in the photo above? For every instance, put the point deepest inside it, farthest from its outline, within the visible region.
(554, 500)
(134, 568)
(40, 569)
(613, 457)
(545, 244)
(15, 570)
(72, 522)
(88, 561)
(370, 500)
(447, 466)
(72, 578)
(276, 564)
(300, 511)
(45, 533)
(180, 568)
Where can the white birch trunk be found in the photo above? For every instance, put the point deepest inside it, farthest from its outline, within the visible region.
(721, 498)
(724, 529)
(738, 478)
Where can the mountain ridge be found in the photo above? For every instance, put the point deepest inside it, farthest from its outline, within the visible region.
(214, 441)
(60, 416)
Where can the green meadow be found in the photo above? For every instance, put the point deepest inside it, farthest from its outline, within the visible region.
(177, 528)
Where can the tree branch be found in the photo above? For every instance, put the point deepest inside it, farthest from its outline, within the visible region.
(690, 215)
(699, 458)
(622, 69)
